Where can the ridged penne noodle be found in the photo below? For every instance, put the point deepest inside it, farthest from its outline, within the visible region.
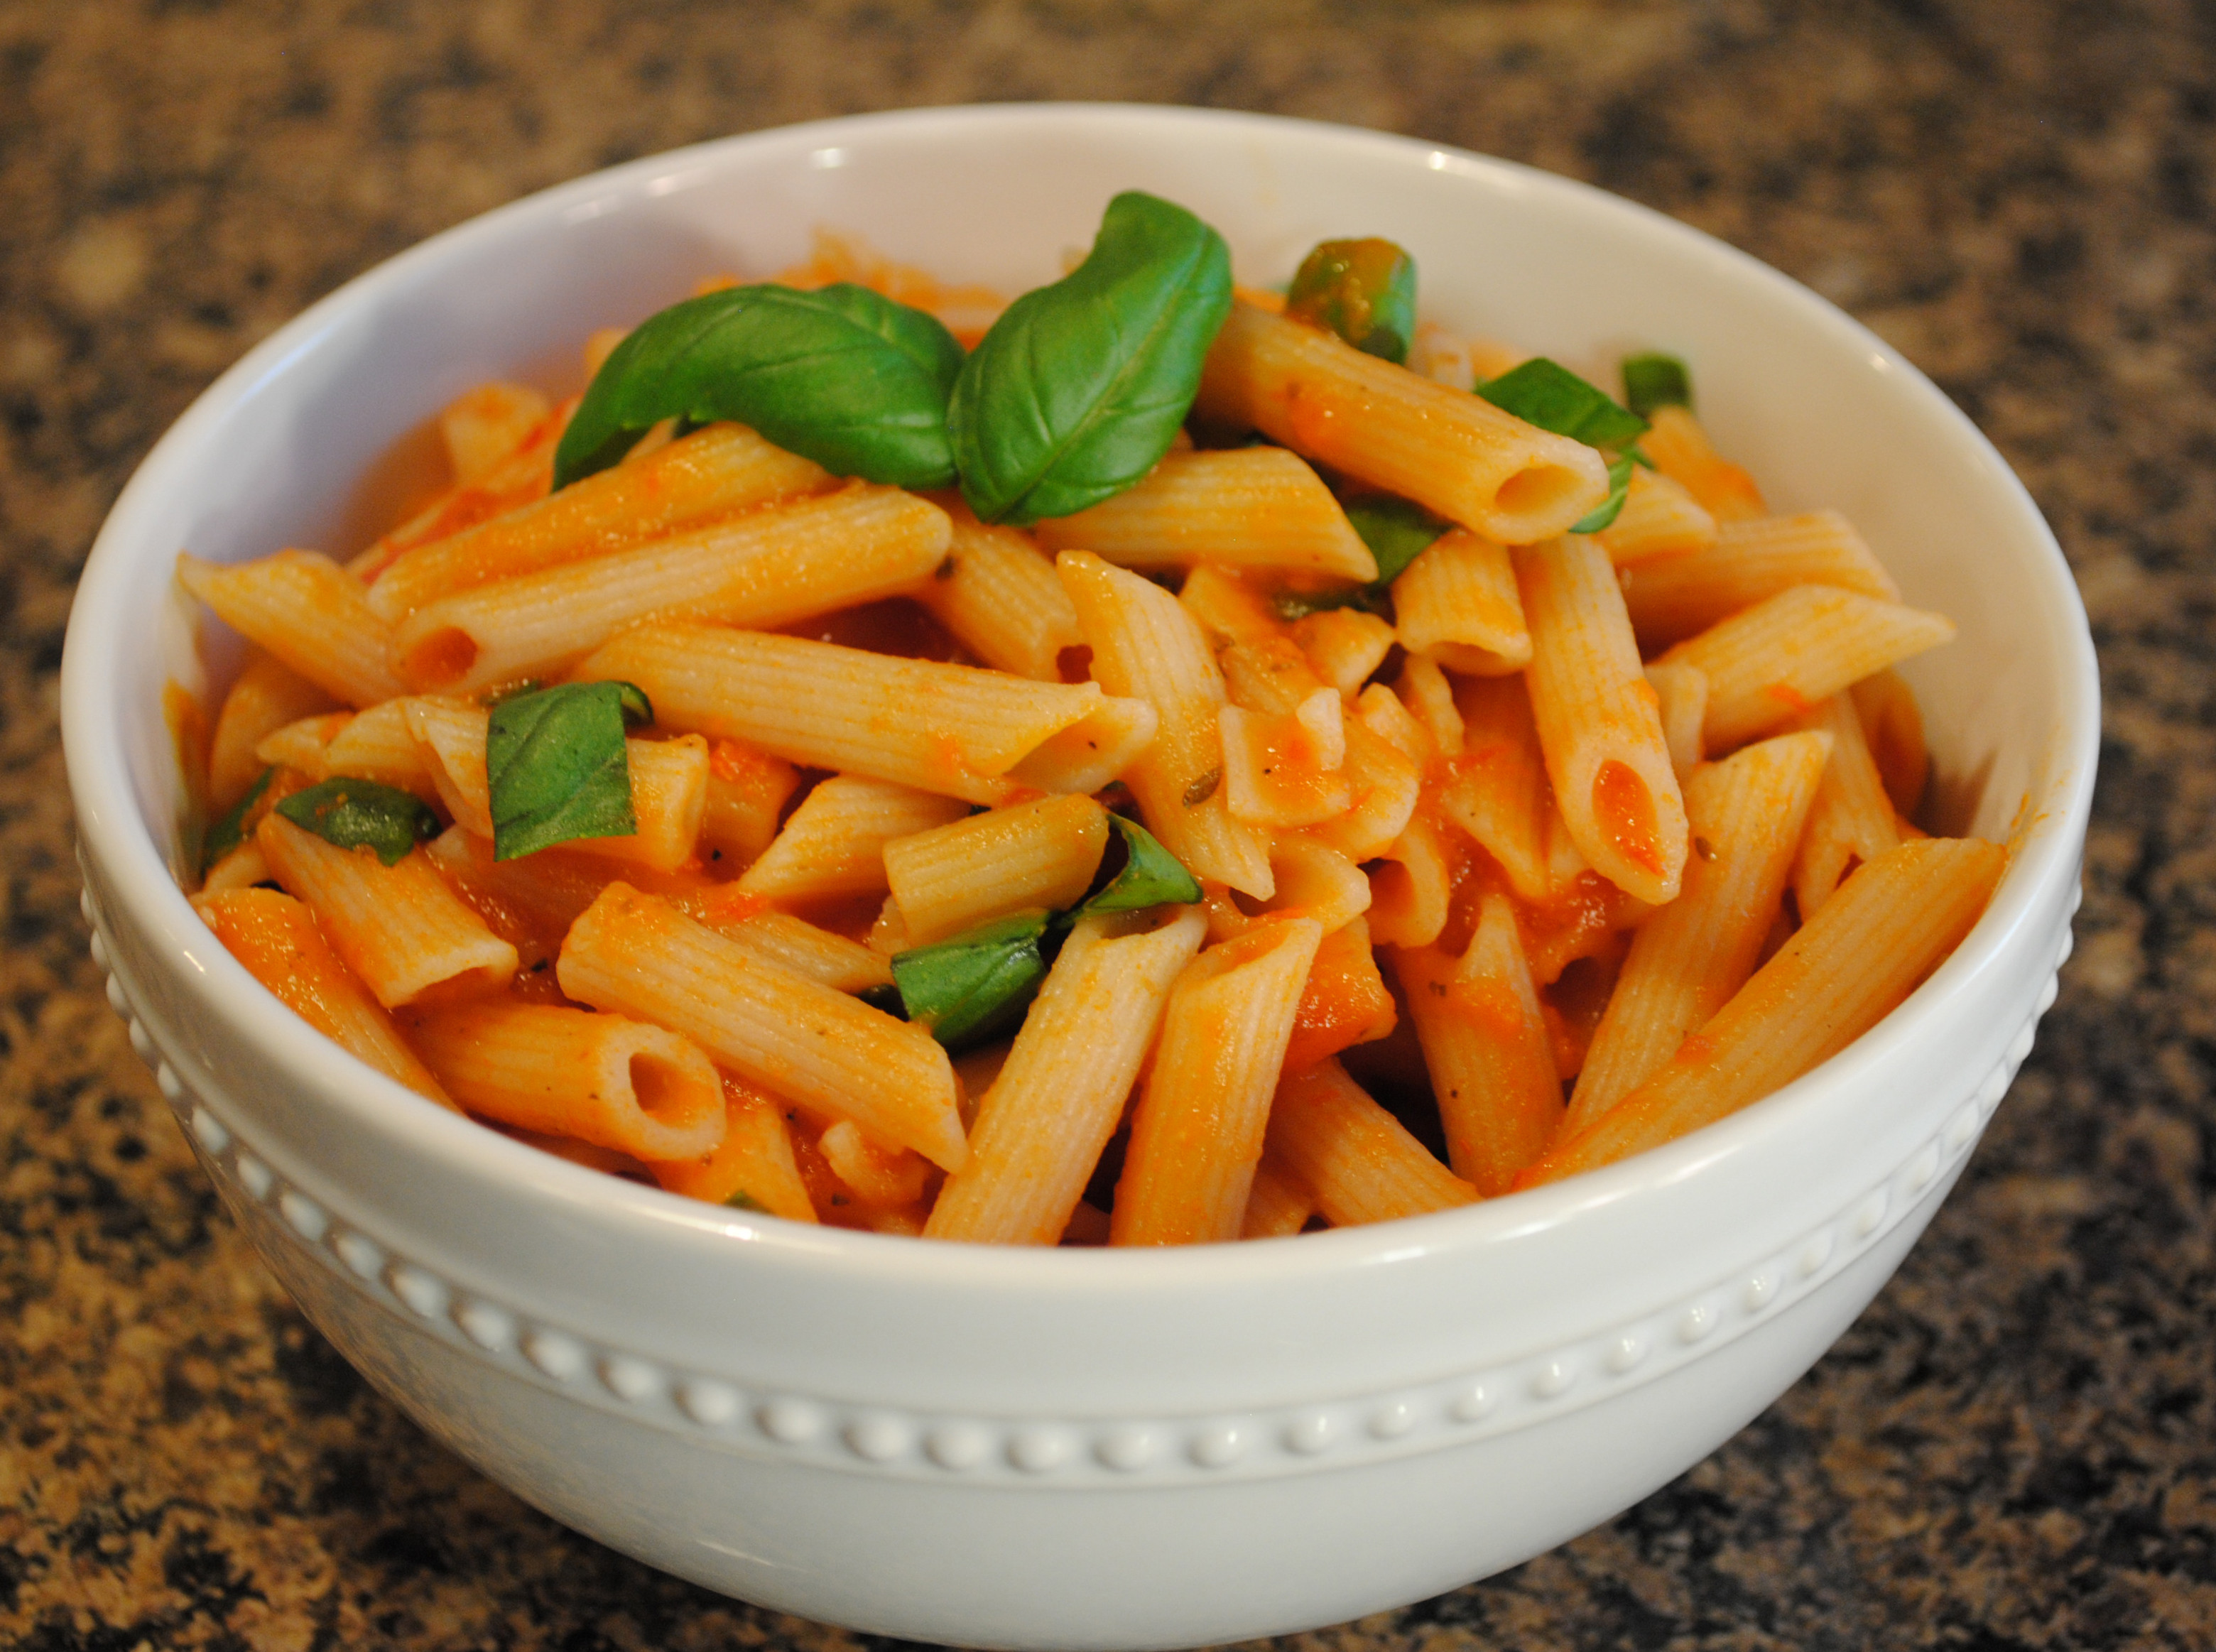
(266, 695)
(1689, 957)
(1197, 1132)
(999, 593)
(1145, 646)
(1681, 697)
(834, 844)
(668, 782)
(1768, 663)
(635, 955)
(1893, 729)
(1412, 887)
(1429, 698)
(1681, 450)
(1345, 646)
(1034, 855)
(525, 475)
(1599, 725)
(1041, 1128)
(1499, 793)
(747, 790)
(373, 745)
(768, 568)
(976, 735)
(1238, 508)
(1278, 1204)
(1890, 925)
(1659, 518)
(604, 1079)
(306, 610)
(1456, 602)
(399, 927)
(752, 1169)
(1229, 610)
(1357, 1159)
(1852, 818)
(1486, 1048)
(1456, 454)
(1750, 561)
(486, 424)
(715, 472)
(1346, 1002)
(275, 937)
(1285, 769)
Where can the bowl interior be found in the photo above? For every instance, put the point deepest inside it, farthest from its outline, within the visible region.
(1820, 410)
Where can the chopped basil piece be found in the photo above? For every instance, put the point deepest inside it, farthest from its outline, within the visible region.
(1363, 290)
(966, 990)
(1203, 788)
(841, 375)
(558, 766)
(1081, 386)
(229, 832)
(1151, 875)
(1619, 484)
(1654, 379)
(1396, 530)
(1550, 395)
(353, 813)
(744, 1201)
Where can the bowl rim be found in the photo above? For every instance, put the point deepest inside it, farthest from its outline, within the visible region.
(113, 833)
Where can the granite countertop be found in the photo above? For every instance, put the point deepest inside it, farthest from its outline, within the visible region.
(2016, 1447)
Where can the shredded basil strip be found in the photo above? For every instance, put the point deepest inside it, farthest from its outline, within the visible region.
(1364, 291)
(1081, 386)
(229, 832)
(558, 766)
(968, 988)
(355, 813)
(841, 375)
(1152, 876)
(1619, 485)
(1652, 379)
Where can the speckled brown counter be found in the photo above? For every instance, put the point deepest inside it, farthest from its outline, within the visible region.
(2015, 1448)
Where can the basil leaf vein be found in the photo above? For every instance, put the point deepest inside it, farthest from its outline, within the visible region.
(558, 767)
(1081, 386)
(355, 813)
(841, 375)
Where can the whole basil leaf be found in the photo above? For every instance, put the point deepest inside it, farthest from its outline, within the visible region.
(229, 832)
(841, 375)
(1652, 380)
(558, 767)
(1550, 395)
(1080, 387)
(1619, 467)
(967, 988)
(1150, 877)
(1364, 291)
(352, 813)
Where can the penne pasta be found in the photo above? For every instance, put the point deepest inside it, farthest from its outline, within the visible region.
(1681, 450)
(1852, 818)
(1196, 1131)
(1457, 603)
(1041, 1128)
(635, 955)
(307, 611)
(753, 1168)
(834, 845)
(1260, 508)
(1599, 725)
(1456, 454)
(1660, 518)
(1037, 855)
(998, 595)
(1767, 665)
(1359, 1161)
(267, 695)
(1748, 562)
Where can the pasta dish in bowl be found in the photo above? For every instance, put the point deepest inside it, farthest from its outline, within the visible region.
(1252, 736)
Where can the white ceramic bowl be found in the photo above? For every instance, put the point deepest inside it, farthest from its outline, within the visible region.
(1086, 1449)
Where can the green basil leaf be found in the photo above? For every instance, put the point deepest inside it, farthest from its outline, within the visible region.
(351, 813)
(1080, 387)
(976, 984)
(558, 768)
(1619, 483)
(1363, 290)
(1652, 380)
(887, 998)
(744, 1201)
(1553, 398)
(841, 375)
(229, 832)
(1396, 530)
(1151, 875)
